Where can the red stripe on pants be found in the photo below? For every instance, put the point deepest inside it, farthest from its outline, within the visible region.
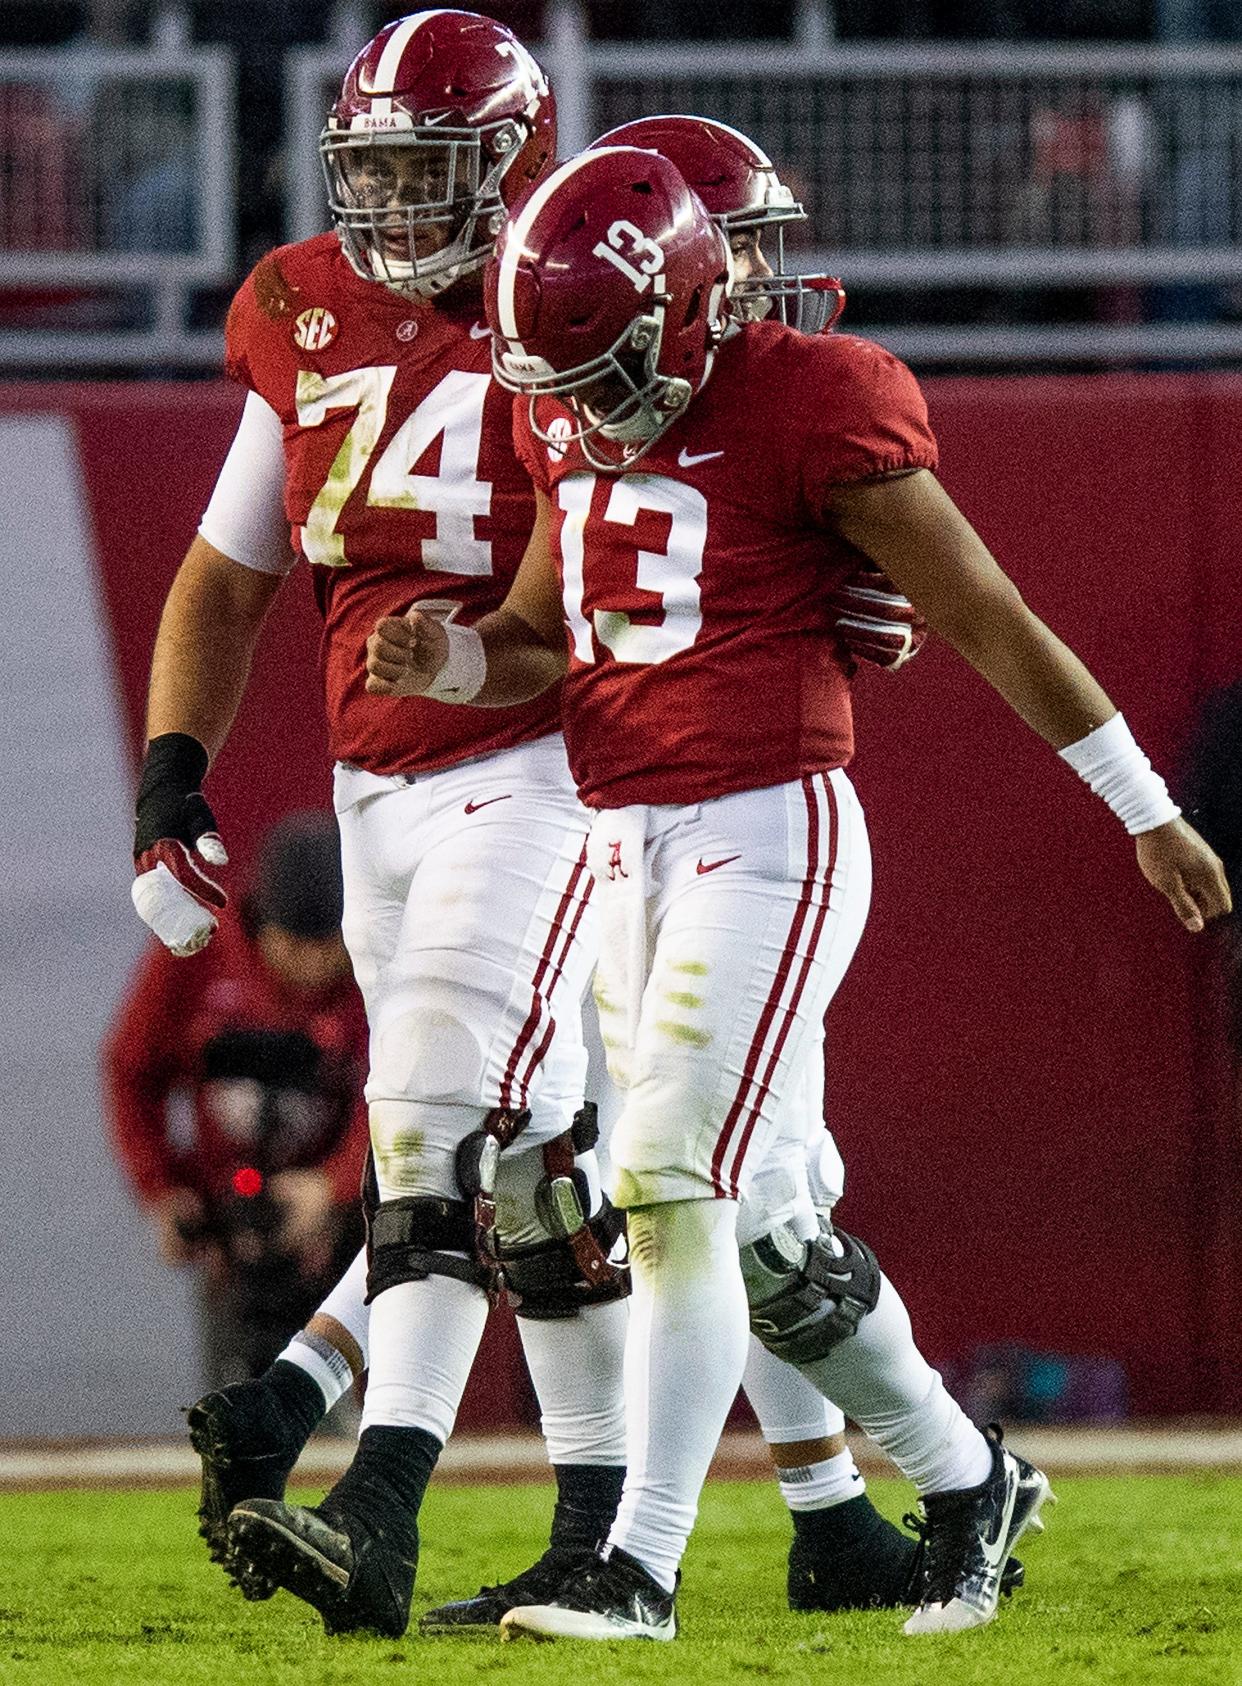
(537, 1056)
(527, 1031)
(799, 986)
(774, 994)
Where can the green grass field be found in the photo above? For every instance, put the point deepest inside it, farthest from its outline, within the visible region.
(1136, 1580)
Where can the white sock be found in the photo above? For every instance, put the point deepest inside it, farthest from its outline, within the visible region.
(576, 1365)
(788, 1406)
(326, 1366)
(323, 1362)
(424, 1336)
(881, 1379)
(684, 1359)
(347, 1304)
(821, 1485)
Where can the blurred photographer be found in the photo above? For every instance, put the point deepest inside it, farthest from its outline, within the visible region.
(235, 1088)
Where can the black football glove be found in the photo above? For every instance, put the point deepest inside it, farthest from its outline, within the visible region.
(173, 825)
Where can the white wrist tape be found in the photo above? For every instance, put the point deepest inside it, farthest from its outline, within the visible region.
(1110, 761)
(179, 920)
(465, 668)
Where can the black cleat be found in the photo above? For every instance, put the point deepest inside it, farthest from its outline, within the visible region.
(248, 1449)
(535, 1585)
(968, 1536)
(358, 1576)
(609, 1597)
(860, 1561)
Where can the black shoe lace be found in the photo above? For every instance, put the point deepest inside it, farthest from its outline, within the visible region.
(543, 1575)
(945, 1544)
(918, 1565)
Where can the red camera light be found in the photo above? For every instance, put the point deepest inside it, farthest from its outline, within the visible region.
(247, 1182)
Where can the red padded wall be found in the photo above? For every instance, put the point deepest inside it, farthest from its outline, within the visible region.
(1027, 1073)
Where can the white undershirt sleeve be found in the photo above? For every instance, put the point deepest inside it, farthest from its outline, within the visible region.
(245, 517)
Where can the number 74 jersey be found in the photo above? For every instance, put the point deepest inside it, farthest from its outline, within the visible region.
(696, 584)
(401, 483)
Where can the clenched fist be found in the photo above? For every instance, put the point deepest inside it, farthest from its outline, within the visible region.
(876, 622)
(405, 653)
(175, 835)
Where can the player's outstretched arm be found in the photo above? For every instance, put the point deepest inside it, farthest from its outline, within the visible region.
(912, 529)
(510, 655)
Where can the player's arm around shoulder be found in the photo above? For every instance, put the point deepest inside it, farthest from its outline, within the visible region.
(508, 656)
(909, 526)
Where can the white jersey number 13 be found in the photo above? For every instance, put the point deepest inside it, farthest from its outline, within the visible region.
(672, 574)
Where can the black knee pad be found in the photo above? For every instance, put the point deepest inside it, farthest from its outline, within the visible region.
(804, 1298)
(547, 1281)
(411, 1239)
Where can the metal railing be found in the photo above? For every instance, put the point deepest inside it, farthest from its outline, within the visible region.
(946, 172)
(937, 168)
(117, 197)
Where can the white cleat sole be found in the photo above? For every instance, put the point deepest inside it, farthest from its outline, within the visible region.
(959, 1617)
(550, 1621)
(953, 1617)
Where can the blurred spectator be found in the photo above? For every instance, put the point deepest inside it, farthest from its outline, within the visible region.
(1198, 20)
(235, 1085)
(40, 209)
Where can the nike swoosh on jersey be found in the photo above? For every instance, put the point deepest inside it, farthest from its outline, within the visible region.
(685, 460)
(480, 331)
(473, 807)
(710, 866)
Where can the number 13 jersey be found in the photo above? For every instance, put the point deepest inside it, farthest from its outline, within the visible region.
(702, 660)
(400, 484)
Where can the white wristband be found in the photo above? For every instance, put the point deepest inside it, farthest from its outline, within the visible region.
(465, 669)
(1110, 761)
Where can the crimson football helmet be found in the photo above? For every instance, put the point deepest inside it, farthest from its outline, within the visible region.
(442, 120)
(740, 187)
(609, 291)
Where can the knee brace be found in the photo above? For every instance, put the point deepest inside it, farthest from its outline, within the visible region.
(574, 1268)
(411, 1239)
(548, 1281)
(804, 1297)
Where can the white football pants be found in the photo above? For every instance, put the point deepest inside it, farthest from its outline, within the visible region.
(725, 930)
(468, 920)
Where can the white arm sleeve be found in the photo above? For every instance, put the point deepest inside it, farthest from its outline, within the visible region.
(245, 518)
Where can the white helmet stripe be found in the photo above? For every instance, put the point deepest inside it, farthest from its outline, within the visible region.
(516, 241)
(390, 58)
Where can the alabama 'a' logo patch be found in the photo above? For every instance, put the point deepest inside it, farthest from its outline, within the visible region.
(315, 329)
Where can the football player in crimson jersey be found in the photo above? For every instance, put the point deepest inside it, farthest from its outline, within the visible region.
(691, 522)
(372, 429)
(839, 1540)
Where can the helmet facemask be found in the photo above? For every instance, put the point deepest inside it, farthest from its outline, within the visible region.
(429, 186)
(619, 397)
(809, 303)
